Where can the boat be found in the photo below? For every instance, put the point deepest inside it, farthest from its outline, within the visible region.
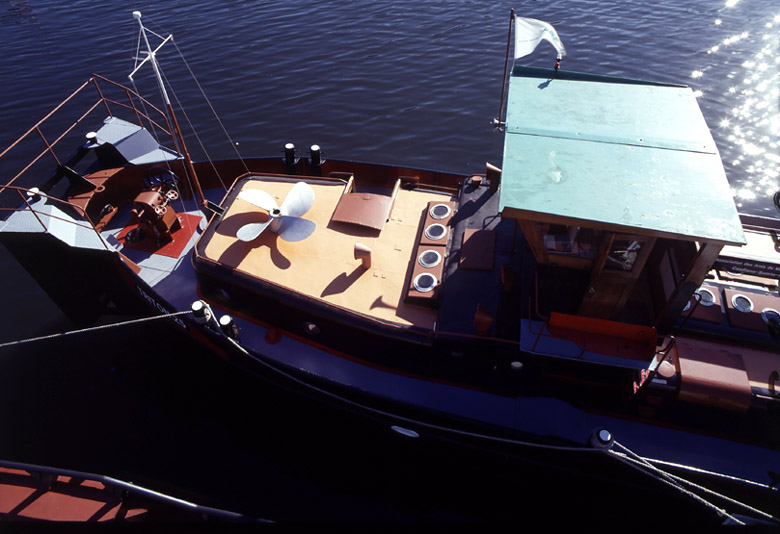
(35, 493)
(595, 303)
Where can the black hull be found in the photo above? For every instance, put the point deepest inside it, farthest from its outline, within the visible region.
(484, 363)
(585, 479)
(529, 463)
(83, 283)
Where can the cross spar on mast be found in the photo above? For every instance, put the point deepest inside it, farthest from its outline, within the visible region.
(179, 138)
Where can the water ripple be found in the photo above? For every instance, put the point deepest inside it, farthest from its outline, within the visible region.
(414, 82)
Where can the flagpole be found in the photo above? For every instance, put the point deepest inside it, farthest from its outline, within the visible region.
(497, 121)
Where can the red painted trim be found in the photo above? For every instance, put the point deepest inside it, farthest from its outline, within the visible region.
(349, 357)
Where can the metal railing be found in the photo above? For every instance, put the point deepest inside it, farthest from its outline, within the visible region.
(27, 206)
(139, 115)
(110, 96)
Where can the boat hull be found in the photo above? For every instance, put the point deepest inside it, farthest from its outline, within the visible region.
(83, 283)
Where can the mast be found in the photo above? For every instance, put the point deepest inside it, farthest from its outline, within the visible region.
(497, 122)
(176, 130)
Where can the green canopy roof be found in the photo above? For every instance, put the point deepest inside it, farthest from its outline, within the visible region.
(612, 153)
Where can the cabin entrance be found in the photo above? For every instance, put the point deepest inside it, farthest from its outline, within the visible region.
(592, 272)
(642, 278)
(614, 275)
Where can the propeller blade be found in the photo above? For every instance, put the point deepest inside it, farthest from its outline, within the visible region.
(250, 231)
(298, 200)
(295, 228)
(259, 198)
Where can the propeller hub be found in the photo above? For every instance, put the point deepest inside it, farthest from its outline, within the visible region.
(286, 220)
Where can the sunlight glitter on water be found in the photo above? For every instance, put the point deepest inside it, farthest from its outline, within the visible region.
(754, 123)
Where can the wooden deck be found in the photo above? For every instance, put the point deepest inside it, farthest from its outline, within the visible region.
(323, 266)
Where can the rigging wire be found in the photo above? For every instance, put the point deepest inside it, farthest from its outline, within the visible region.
(194, 131)
(155, 33)
(208, 101)
(154, 131)
(156, 136)
(233, 144)
(213, 111)
(136, 56)
(146, 113)
(181, 150)
(190, 179)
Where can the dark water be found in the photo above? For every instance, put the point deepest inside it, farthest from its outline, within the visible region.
(408, 82)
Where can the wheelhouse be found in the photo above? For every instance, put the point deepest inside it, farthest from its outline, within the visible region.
(619, 190)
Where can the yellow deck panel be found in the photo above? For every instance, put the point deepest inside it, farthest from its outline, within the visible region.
(323, 265)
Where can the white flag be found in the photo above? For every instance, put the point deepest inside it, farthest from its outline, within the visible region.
(530, 32)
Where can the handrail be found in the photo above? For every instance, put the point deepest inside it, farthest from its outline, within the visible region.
(29, 207)
(128, 90)
(37, 124)
(83, 212)
(444, 335)
(102, 99)
(129, 488)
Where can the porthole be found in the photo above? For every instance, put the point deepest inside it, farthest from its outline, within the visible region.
(440, 211)
(435, 231)
(742, 303)
(706, 297)
(767, 314)
(429, 258)
(425, 282)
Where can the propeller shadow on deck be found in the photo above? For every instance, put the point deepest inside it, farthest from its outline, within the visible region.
(237, 251)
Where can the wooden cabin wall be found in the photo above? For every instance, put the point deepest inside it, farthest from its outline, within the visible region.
(667, 263)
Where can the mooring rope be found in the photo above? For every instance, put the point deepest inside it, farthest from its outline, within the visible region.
(631, 458)
(92, 329)
(628, 457)
(415, 422)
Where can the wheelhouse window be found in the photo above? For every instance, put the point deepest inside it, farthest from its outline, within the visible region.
(623, 253)
(569, 241)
